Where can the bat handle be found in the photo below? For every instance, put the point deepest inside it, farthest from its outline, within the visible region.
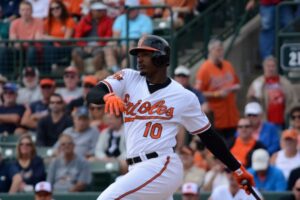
(246, 182)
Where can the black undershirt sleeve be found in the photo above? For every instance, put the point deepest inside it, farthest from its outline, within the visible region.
(217, 146)
(97, 93)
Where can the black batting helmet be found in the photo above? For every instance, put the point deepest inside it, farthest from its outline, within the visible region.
(159, 47)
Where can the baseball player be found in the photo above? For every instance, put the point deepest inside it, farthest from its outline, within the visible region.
(153, 106)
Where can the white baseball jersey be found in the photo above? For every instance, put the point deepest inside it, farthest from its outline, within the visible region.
(152, 119)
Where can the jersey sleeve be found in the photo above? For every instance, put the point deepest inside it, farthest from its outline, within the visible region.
(193, 119)
(117, 82)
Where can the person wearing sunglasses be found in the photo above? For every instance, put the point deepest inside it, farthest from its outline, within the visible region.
(38, 109)
(263, 131)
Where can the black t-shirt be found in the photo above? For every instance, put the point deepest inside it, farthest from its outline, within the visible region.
(48, 132)
(16, 109)
(38, 106)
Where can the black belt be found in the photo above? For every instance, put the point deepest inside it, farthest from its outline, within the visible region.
(138, 159)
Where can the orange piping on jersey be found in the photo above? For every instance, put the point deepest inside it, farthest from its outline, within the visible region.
(147, 182)
(138, 117)
(207, 126)
(108, 85)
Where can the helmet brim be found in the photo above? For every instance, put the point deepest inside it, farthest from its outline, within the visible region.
(134, 51)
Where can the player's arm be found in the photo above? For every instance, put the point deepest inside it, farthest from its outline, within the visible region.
(217, 146)
(100, 94)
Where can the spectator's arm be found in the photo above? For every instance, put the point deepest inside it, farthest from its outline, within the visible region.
(10, 118)
(27, 120)
(51, 172)
(84, 177)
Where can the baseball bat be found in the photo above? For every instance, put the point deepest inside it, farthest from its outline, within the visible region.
(245, 182)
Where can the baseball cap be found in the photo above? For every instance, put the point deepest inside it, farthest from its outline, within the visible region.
(47, 81)
(260, 159)
(29, 71)
(12, 87)
(43, 186)
(82, 112)
(90, 80)
(190, 188)
(132, 3)
(98, 6)
(71, 69)
(253, 108)
(290, 134)
(182, 70)
(3, 79)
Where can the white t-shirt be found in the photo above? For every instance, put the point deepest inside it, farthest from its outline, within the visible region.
(152, 120)
(69, 95)
(222, 192)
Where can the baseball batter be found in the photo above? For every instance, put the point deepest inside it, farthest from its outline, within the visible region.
(153, 106)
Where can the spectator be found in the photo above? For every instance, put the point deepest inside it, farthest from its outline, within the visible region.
(68, 172)
(191, 172)
(245, 144)
(293, 177)
(267, 10)
(74, 8)
(58, 26)
(274, 91)
(43, 191)
(6, 174)
(50, 127)
(38, 109)
(88, 82)
(71, 90)
(10, 112)
(9, 11)
(288, 158)
(218, 82)
(95, 25)
(139, 25)
(295, 120)
(97, 117)
(263, 131)
(232, 191)
(216, 176)
(266, 176)
(3, 80)
(28, 166)
(190, 191)
(85, 137)
(40, 8)
(31, 91)
(296, 192)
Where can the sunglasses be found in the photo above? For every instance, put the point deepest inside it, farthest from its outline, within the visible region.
(66, 144)
(25, 144)
(55, 8)
(252, 115)
(46, 86)
(56, 102)
(69, 76)
(295, 117)
(244, 126)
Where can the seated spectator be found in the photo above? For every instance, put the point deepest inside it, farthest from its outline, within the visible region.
(190, 191)
(95, 25)
(58, 26)
(9, 11)
(43, 191)
(216, 176)
(139, 25)
(295, 190)
(294, 116)
(266, 176)
(68, 172)
(245, 144)
(263, 131)
(29, 167)
(274, 91)
(3, 80)
(288, 158)
(50, 127)
(85, 137)
(6, 173)
(38, 109)
(31, 91)
(10, 112)
(191, 172)
(88, 82)
(232, 191)
(71, 90)
(24, 28)
(40, 8)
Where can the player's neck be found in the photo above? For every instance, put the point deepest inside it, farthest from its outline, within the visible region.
(158, 78)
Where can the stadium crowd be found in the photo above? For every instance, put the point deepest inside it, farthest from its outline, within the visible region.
(41, 112)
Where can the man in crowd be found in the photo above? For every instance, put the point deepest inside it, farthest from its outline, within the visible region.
(43, 191)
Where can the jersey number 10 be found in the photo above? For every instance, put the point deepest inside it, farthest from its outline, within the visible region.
(154, 129)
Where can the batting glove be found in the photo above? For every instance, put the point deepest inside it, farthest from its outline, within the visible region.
(113, 104)
(243, 177)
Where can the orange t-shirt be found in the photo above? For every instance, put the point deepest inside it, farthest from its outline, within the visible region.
(241, 149)
(211, 78)
(73, 6)
(57, 28)
(26, 31)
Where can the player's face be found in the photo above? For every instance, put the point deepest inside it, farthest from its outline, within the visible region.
(145, 65)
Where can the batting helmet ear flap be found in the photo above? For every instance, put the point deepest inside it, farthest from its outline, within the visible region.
(160, 59)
